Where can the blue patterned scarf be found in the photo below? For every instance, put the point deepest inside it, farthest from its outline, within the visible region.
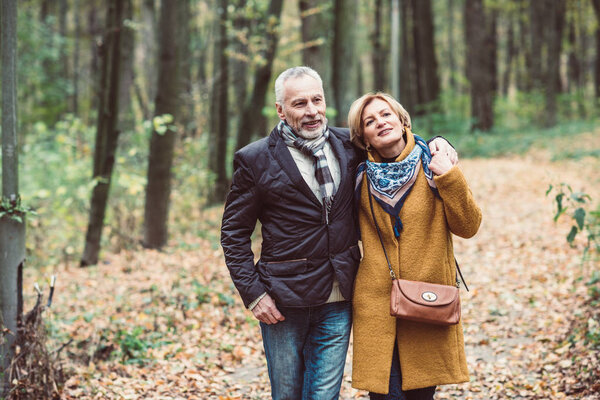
(390, 183)
(313, 148)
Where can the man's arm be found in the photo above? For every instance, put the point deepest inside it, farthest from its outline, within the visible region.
(440, 145)
(239, 220)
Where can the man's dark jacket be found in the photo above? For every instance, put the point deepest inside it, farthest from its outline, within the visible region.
(301, 251)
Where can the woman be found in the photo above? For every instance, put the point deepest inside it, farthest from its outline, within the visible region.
(419, 201)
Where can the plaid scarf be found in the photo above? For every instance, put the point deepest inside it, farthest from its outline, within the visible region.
(313, 148)
(390, 183)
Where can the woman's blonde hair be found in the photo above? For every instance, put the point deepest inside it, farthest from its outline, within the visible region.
(356, 110)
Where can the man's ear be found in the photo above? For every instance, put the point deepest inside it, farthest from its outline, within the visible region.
(280, 113)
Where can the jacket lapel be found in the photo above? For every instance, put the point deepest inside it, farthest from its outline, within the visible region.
(284, 158)
(342, 157)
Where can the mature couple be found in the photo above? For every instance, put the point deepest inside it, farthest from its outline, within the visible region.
(305, 184)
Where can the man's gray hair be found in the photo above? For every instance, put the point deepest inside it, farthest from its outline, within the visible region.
(293, 72)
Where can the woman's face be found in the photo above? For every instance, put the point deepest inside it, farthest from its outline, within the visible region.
(382, 128)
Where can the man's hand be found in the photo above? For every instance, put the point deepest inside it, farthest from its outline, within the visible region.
(266, 311)
(441, 146)
(440, 164)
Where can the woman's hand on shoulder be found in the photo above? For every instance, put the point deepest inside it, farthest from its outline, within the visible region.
(441, 163)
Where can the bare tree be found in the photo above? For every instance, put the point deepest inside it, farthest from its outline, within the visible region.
(252, 119)
(107, 133)
(596, 4)
(12, 226)
(162, 143)
(555, 23)
(378, 55)
(344, 64)
(219, 115)
(480, 64)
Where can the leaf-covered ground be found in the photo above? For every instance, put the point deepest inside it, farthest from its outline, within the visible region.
(170, 325)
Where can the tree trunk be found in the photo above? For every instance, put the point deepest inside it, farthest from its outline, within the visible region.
(573, 67)
(126, 116)
(315, 25)
(596, 4)
(556, 11)
(252, 122)
(537, 22)
(186, 107)
(522, 73)
(12, 230)
(479, 70)
(239, 64)
(162, 144)
(408, 94)
(428, 83)
(344, 58)
(395, 67)
(450, 36)
(76, 44)
(107, 133)
(377, 56)
(148, 54)
(62, 48)
(510, 55)
(94, 31)
(219, 113)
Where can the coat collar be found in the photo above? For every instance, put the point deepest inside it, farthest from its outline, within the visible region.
(284, 158)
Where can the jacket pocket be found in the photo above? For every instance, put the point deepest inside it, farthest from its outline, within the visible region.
(289, 267)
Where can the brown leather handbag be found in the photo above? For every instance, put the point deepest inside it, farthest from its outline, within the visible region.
(422, 301)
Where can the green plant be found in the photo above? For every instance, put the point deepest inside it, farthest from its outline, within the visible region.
(14, 209)
(576, 205)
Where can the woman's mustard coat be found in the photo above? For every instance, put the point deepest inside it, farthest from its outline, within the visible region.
(429, 354)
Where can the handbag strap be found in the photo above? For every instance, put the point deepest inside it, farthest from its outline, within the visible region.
(392, 274)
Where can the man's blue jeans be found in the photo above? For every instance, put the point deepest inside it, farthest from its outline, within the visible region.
(306, 353)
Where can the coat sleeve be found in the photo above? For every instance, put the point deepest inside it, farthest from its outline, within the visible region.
(239, 220)
(462, 213)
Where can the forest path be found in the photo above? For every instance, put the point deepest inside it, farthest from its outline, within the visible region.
(177, 329)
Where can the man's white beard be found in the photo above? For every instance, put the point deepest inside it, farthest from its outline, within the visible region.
(312, 135)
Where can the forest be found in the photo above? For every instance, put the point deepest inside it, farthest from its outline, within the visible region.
(120, 119)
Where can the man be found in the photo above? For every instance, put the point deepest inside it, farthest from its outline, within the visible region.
(299, 183)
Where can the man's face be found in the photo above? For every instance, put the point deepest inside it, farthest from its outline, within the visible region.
(303, 106)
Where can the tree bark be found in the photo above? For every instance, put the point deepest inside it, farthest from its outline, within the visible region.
(186, 106)
(596, 4)
(241, 26)
(522, 73)
(450, 36)
(76, 55)
(428, 82)
(536, 30)
(219, 114)
(12, 231)
(94, 31)
(344, 58)
(315, 27)
(377, 55)
(556, 12)
(126, 116)
(107, 133)
(148, 54)
(480, 72)
(395, 67)
(252, 122)
(573, 67)
(510, 55)
(408, 94)
(162, 144)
